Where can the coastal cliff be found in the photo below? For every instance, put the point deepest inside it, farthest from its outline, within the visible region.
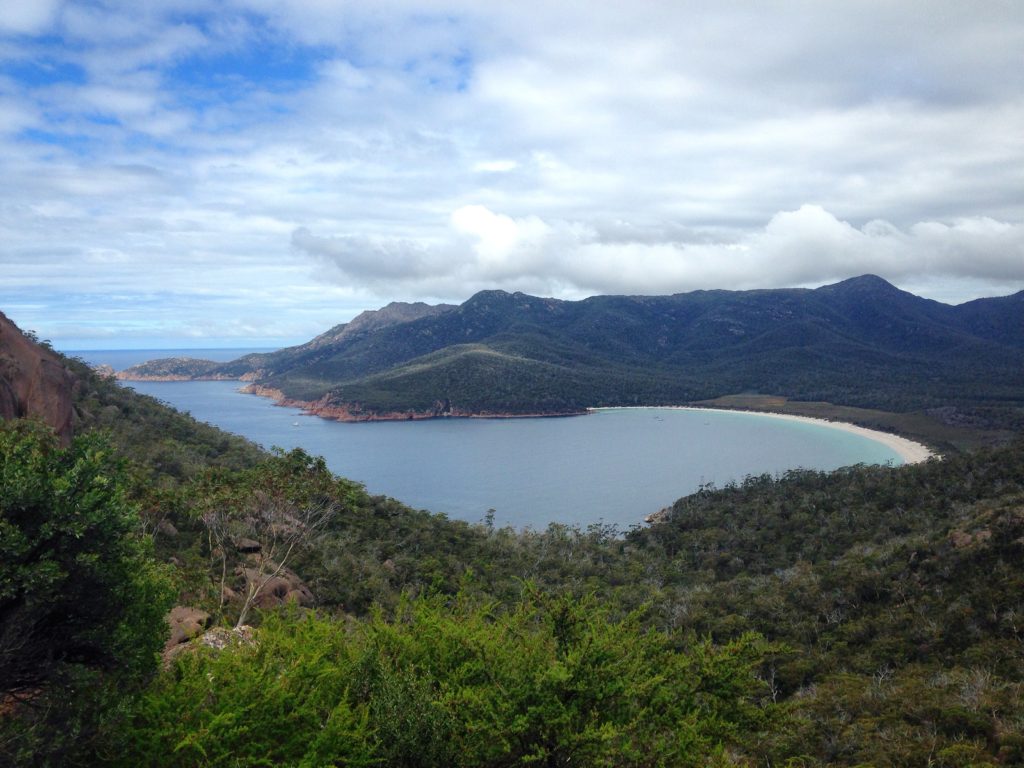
(34, 381)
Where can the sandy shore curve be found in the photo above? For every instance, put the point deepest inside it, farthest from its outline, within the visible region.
(909, 451)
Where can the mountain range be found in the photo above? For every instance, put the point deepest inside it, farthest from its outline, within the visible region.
(860, 342)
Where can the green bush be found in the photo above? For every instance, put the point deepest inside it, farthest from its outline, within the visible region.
(81, 600)
(552, 681)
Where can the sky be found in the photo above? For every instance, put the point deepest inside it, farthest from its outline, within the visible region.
(180, 173)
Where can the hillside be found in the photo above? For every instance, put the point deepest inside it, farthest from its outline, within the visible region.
(861, 342)
(867, 616)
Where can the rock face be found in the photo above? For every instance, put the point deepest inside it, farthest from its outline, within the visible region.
(217, 639)
(285, 587)
(34, 381)
(185, 623)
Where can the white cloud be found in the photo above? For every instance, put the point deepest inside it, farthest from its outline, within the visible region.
(376, 261)
(27, 16)
(807, 246)
(15, 116)
(424, 149)
(495, 166)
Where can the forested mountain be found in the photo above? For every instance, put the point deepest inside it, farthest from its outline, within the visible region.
(859, 342)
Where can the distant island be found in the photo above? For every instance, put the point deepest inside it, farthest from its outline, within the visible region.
(859, 343)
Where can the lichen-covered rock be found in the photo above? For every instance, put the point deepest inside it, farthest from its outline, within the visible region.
(248, 546)
(217, 638)
(285, 587)
(185, 623)
(220, 638)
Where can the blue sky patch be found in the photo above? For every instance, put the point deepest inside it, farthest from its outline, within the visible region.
(34, 73)
(268, 63)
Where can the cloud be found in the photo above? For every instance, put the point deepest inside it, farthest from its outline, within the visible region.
(27, 16)
(370, 260)
(807, 246)
(425, 149)
(495, 166)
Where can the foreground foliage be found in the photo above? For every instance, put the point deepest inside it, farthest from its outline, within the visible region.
(548, 681)
(894, 596)
(81, 599)
(902, 591)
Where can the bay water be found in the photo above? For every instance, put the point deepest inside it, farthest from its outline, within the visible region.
(609, 467)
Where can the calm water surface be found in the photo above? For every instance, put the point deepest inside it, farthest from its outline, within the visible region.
(613, 466)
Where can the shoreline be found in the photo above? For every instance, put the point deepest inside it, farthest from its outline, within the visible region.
(324, 410)
(909, 451)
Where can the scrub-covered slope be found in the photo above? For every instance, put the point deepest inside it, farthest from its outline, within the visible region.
(858, 342)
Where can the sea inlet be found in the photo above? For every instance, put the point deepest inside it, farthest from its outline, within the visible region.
(612, 467)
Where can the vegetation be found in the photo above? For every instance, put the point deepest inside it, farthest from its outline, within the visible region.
(547, 681)
(891, 597)
(82, 602)
(948, 429)
(870, 616)
(861, 343)
(163, 444)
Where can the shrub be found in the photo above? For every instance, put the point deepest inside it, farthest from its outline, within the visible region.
(81, 600)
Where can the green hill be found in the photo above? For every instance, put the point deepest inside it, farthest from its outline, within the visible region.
(861, 342)
(869, 616)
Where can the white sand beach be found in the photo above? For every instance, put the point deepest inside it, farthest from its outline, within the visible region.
(908, 450)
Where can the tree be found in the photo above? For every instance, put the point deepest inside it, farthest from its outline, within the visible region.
(78, 587)
(281, 505)
(279, 526)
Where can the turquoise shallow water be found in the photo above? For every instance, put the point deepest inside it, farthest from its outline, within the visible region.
(613, 466)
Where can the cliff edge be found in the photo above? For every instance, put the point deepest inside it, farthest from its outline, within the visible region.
(34, 381)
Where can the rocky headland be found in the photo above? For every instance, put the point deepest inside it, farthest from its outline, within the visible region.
(175, 369)
(861, 343)
(325, 408)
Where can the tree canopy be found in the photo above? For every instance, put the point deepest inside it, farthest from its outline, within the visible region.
(79, 591)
